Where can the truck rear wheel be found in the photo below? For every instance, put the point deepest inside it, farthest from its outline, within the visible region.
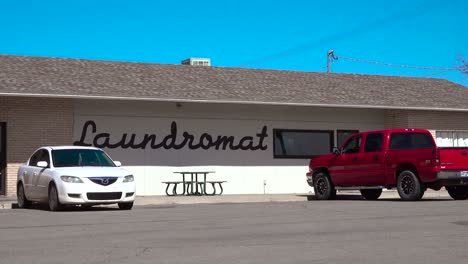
(371, 194)
(409, 186)
(458, 192)
(323, 187)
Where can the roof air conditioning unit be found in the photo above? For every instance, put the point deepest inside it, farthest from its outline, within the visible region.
(197, 62)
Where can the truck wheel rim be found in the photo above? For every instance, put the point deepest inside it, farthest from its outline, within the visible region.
(321, 186)
(407, 185)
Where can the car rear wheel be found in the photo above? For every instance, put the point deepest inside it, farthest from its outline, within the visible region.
(458, 192)
(126, 206)
(409, 186)
(23, 202)
(323, 187)
(371, 194)
(54, 202)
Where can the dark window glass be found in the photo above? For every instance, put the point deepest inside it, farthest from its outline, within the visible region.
(44, 156)
(373, 142)
(35, 158)
(411, 141)
(301, 143)
(352, 145)
(81, 158)
(343, 135)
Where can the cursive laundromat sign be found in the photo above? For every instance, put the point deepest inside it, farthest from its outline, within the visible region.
(173, 140)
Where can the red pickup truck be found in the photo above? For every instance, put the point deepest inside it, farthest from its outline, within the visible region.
(407, 159)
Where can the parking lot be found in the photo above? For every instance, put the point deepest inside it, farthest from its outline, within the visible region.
(349, 230)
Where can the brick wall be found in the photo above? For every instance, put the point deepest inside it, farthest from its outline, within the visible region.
(32, 123)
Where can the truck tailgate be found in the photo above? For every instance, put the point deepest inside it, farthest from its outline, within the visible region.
(454, 158)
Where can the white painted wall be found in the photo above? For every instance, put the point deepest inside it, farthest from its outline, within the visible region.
(245, 171)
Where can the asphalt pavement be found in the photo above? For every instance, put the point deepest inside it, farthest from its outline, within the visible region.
(10, 202)
(349, 230)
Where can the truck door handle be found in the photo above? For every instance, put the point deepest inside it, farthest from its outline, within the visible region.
(355, 159)
(376, 157)
(464, 153)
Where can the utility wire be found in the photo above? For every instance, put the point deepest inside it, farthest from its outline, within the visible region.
(400, 65)
(410, 12)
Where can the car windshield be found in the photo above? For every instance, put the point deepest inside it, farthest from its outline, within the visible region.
(81, 158)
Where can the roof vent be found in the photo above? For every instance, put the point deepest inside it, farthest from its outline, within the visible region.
(197, 62)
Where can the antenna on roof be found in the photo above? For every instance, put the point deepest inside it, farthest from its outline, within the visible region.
(330, 58)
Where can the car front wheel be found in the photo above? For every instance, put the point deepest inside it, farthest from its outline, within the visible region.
(23, 202)
(54, 202)
(409, 186)
(323, 187)
(458, 192)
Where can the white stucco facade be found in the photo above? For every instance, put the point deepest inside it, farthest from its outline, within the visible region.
(247, 171)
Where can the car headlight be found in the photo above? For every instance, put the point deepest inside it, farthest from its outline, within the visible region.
(128, 178)
(71, 179)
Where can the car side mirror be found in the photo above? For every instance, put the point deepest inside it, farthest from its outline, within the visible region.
(118, 163)
(336, 151)
(42, 164)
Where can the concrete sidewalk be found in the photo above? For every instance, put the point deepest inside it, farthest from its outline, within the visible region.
(10, 202)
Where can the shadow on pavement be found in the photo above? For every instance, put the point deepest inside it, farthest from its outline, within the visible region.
(73, 208)
(358, 197)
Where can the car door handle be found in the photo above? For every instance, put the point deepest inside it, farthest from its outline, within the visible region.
(35, 174)
(376, 157)
(355, 159)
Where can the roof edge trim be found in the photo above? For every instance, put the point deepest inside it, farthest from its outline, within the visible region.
(175, 100)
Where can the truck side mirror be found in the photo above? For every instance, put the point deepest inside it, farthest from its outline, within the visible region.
(336, 151)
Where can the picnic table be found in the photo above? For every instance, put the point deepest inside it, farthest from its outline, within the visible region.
(194, 185)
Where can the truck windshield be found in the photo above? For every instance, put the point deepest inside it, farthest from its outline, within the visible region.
(81, 158)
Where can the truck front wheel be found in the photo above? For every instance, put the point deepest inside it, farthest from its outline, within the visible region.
(458, 192)
(409, 187)
(323, 187)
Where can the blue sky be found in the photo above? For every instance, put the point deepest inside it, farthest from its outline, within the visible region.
(290, 35)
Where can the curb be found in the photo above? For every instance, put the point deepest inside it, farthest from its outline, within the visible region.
(8, 205)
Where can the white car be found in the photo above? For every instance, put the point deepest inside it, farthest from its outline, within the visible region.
(71, 175)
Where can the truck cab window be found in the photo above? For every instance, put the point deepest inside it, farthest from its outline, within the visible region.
(352, 146)
(373, 142)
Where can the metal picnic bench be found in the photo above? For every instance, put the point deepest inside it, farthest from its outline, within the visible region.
(193, 186)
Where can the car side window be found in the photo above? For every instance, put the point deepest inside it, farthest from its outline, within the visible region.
(45, 157)
(352, 146)
(35, 158)
(373, 142)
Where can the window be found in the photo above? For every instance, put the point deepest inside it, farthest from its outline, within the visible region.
(45, 157)
(301, 143)
(343, 135)
(352, 145)
(35, 158)
(40, 155)
(452, 138)
(411, 141)
(373, 142)
(80, 158)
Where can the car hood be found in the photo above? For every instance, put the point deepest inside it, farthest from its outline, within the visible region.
(93, 171)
